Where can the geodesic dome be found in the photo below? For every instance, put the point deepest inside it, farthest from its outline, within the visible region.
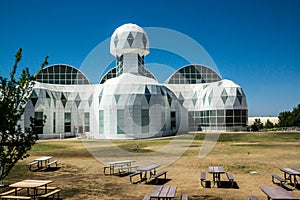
(129, 38)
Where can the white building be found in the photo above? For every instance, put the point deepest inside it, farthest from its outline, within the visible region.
(130, 103)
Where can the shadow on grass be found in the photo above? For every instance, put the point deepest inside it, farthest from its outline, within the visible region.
(51, 169)
(159, 181)
(289, 186)
(222, 184)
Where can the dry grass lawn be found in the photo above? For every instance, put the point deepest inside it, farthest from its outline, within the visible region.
(80, 175)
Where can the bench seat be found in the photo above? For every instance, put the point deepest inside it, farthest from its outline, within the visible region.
(56, 191)
(253, 198)
(33, 163)
(280, 179)
(15, 197)
(230, 178)
(10, 191)
(127, 169)
(104, 169)
(184, 197)
(48, 188)
(52, 162)
(155, 177)
(147, 197)
(134, 174)
(202, 178)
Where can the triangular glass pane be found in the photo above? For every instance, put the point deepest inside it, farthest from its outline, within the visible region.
(144, 40)
(147, 91)
(116, 41)
(220, 83)
(169, 99)
(117, 97)
(203, 99)
(162, 92)
(63, 99)
(34, 94)
(210, 97)
(147, 94)
(181, 101)
(47, 95)
(239, 95)
(130, 39)
(100, 96)
(204, 86)
(195, 98)
(180, 96)
(240, 98)
(77, 100)
(90, 100)
(34, 100)
(224, 96)
(49, 101)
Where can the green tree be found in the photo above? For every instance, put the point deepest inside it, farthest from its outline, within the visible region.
(268, 124)
(257, 125)
(290, 118)
(285, 119)
(15, 142)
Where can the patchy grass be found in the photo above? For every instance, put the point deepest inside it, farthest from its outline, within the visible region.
(81, 175)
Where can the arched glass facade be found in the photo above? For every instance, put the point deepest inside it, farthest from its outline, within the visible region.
(63, 75)
(113, 73)
(193, 74)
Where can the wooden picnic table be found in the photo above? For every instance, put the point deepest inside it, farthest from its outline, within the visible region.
(276, 192)
(44, 159)
(164, 192)
(149, 168)
(116, 164)
(216, 171)
(291, 175)
(31, 184)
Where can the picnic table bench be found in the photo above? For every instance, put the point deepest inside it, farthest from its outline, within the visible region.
(51, 193)
(52, 162)
(202, 178)
(15, 197)
(147, 197)
(253, 198)
(134, 174)
(33, 163)
(126, 169)
(155, 176)
(275, 192)
(184, 197)
(230, 178)
(10, 191)
(280, 179)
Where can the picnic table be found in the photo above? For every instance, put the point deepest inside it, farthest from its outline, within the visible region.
(164, 192)
(39, 162)
(118, 164)
(44, 159)
(275, 192)
(31, 185)
(149, 168)
(291, 175)
(216, 171)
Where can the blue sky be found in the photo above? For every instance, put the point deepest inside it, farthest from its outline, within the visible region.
(255, 43)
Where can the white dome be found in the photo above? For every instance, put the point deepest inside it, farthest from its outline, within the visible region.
(129, 38)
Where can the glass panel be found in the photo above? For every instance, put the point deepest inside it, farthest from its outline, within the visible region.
(67, 122)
